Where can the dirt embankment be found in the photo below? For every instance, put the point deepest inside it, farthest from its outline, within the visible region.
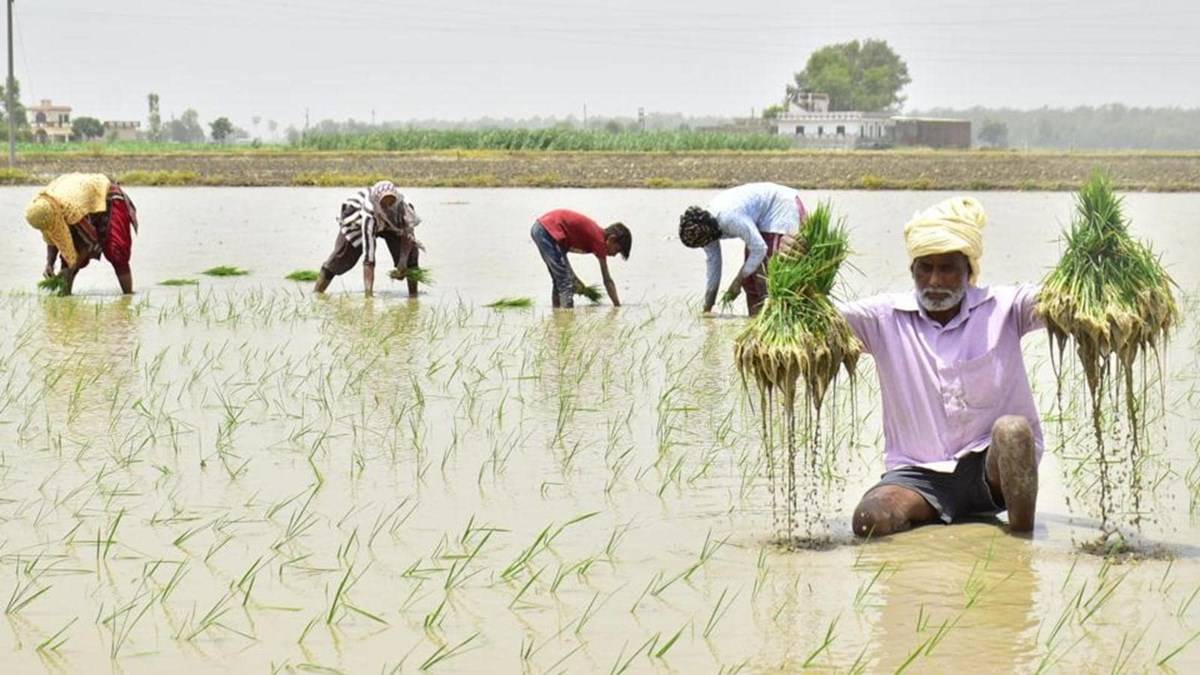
(977, 170)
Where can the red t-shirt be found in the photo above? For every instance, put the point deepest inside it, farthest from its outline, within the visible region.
(575, 232)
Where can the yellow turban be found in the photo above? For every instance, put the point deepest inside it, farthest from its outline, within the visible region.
(64, 202)
(954, 225)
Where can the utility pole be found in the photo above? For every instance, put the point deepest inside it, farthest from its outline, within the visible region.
(8, 90)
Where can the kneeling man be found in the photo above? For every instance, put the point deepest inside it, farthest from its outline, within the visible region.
(961, 431)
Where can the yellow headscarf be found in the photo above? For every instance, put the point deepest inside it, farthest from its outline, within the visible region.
(64, 202)
(954, 225)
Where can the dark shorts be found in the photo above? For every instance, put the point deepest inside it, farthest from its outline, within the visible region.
(345, 255)
(953, 495)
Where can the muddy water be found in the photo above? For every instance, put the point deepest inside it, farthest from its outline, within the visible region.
(240, 477)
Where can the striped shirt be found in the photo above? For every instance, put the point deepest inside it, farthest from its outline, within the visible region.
(360, 224)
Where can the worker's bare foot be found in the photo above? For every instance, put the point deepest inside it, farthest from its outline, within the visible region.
(1016, 465)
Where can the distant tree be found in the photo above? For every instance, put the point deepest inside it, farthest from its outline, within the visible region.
(154, 125)
(18, 110)
(772, 112)
(86, 128)
(612, 127)
(221, 129)
(994, 134)
(186, 129)
(857, 76)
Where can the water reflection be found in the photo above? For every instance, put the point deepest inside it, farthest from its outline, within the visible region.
(951, 595)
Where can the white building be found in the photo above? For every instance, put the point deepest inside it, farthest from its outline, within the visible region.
(806, 118)
(834, 129)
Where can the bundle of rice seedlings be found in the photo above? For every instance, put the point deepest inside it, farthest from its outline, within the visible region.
(303, 275)
(799, 335)
(589, 291)
(1109, 292)
(420, 275)
(225, 271)
(179, 282)
(53, 284)
(511, 303)
(1111, 297)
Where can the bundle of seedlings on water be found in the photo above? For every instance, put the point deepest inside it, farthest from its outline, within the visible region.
(420, 275)
(799, 335)
(179, 282)
(303, 275)
(225, 271)
(54, 284)
(511, 303)
(1111, 297)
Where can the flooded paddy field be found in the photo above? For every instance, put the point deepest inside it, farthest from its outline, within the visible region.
(237, 476)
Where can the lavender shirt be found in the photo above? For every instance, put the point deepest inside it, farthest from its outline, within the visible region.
(944, 386)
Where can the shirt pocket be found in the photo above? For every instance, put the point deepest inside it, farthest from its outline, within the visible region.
(983, 380)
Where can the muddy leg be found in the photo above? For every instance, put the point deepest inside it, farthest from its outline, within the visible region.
(1012, 470)
(68, 276)
(323, 279)
(888, 509)
(125, 279)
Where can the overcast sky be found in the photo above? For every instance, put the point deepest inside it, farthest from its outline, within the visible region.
(457, 59)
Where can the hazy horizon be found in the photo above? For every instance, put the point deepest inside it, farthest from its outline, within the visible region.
(466, 59)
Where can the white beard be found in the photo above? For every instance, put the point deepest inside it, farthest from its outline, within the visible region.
(948, 301)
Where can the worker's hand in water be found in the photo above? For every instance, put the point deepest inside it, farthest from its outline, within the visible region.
(793, 245)
(48, 272)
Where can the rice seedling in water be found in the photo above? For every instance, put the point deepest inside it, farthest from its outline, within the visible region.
(303, 275)
(799, 336)
(1110, 296)
(225, 271)
(511, 303)
(179, 282)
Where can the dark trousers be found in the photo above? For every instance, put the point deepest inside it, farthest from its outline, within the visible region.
(555, 256)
